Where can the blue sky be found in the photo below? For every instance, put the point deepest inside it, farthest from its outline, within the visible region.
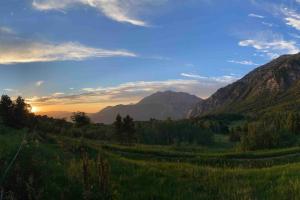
(87, 54)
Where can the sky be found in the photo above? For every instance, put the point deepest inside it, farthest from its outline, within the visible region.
(84, 55)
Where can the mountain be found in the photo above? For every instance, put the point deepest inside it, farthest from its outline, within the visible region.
(160, 105)
(274, 86)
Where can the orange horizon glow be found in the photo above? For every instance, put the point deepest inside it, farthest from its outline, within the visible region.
(88, 108)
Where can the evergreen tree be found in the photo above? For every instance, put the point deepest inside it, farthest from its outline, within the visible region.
(20, 112)
(129, 129)
(291, 122)
(6, 110)
(80, 119)
(118, 124)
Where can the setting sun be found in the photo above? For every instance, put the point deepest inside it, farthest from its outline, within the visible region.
(34, 109)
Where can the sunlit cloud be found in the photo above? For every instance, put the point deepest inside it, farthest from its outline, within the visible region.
(58, 94)
(123, 11)
(27, 52)
(292, 18)
(189, 75)
(134, 91)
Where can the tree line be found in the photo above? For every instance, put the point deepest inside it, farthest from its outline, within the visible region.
(15, 113)
(124, 130)
(272, 130)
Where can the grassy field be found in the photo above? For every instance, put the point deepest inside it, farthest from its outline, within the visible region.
(52, 168)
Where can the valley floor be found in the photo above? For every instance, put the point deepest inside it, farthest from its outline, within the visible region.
(53, 168)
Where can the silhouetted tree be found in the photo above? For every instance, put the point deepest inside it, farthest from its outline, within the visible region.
(129, 129)
(118, 124)
(20, 112)
(80, 119)
(6, 110)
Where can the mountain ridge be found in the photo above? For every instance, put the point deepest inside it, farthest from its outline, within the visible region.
(262, 88)
(159, 105)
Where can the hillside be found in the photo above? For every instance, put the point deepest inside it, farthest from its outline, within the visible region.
(274, 86)
(160, 105)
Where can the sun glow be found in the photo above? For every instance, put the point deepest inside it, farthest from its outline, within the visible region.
(35, 109)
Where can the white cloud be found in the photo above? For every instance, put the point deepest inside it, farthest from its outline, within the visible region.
(212, 80)
(26, 52)
(123, 11)
(292, 18)
(256, 16)
(39, 83)
(243, 62)
(58, 94)
(272, 48)
(293, 22)
(189, 75)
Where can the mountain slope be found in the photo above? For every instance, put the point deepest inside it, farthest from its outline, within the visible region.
(272, 86)
(160, 105)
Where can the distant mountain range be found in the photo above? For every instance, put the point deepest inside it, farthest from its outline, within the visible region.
(160, 105)
(274, 86)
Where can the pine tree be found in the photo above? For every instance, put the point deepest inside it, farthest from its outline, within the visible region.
(118, 124)
(6, 110)
(20, 112)
(291, 122)
(129, 129)
(80, 119)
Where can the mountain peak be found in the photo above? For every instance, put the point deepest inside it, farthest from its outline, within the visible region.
(159, 105)
(169, 97)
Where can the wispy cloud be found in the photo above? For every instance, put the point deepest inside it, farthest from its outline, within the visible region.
(6, 30)
(123, 11)
(12, 92)
(190, 75)
(134, 91)
(271, 47)
(9, 90)
(242, 62)
(39, 83)
(212, 80)
(130, 91)
(56, 94)
(292, 18)
(256, 16)
(12, 52)
(268, 24)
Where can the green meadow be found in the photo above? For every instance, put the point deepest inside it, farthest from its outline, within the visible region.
(57, 167)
